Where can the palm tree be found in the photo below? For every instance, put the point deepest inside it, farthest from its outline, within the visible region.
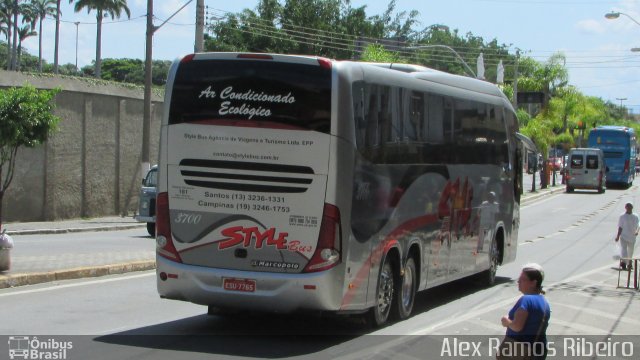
(103, 8)
(4, 19)
(7, 9)
(15, 10)
(40, 10)
(57, 40)
(23, 33)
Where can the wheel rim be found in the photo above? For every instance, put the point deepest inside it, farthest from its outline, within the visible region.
(408, 286)
(493, 262)
(385, 291)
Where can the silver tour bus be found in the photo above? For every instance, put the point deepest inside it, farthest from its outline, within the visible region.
(295, 183)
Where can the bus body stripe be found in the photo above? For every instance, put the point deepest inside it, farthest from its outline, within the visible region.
(389, 242)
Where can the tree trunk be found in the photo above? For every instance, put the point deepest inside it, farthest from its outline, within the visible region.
(40, 47)
(57, 40)
(9, 34)
(14, 43)
(98, 45)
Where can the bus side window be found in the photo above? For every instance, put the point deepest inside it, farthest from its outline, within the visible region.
(413, 107)
(435, 131)
(371, 118)
(358, 114)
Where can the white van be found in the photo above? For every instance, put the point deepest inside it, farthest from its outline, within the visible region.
(586, 169)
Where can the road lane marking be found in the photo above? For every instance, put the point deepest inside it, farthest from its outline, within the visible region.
(65, 286)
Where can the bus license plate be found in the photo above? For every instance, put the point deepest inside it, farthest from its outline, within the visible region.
(245, 285)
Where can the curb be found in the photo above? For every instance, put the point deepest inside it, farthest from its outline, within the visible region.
(74, 230)
(541, 193)
(14, 280)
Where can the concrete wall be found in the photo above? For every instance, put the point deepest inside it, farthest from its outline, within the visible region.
(91, 166)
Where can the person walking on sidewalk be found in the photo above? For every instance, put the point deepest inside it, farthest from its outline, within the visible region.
(527, 321)
(628, 225)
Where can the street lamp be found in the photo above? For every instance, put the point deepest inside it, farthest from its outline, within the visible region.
(466, 66)
(616, 14)
(621, 100)
(621, 108)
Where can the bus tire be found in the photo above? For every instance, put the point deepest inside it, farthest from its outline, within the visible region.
(489, 276)
(379, 314)
(406, 290)
(151, 229)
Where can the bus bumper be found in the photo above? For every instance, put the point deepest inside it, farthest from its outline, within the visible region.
(274, 292)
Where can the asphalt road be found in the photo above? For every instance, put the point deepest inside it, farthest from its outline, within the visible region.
(569, 234)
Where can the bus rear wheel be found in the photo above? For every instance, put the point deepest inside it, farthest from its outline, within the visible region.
(489, 276)
(379, 314)
(406, 291)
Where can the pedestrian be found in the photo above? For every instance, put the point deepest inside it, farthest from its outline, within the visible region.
(527, 321)
(627, 232)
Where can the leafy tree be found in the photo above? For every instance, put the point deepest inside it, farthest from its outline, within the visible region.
(377, 53)
(26, 119)
(112, 8)
(328, 28)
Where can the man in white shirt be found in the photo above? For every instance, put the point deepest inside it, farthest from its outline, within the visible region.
(628, 225)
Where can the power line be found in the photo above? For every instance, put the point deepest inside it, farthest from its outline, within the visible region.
(51, 17)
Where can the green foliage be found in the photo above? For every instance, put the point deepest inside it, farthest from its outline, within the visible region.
(26, 119)
(329, 28)
(377, 53)
(548, 77)
(523, 117)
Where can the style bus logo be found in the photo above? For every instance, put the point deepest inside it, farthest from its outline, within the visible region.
(25, 347)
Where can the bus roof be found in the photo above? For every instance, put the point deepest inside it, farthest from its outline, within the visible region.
(613, 128)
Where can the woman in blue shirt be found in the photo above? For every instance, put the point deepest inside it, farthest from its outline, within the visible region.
(528, 319)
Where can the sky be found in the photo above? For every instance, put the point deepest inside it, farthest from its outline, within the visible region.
(598, 50)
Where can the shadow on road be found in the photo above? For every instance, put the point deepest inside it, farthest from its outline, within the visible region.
(259, 335)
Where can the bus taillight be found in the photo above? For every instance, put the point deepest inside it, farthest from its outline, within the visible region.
(164, 244)
(626, 166)
(327, 254)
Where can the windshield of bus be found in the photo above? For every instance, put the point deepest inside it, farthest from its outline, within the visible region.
(608, 138)
(286, 95)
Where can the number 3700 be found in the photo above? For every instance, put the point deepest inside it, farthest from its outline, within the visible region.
(183, 218)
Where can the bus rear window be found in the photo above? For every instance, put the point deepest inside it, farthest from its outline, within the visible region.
(292, 95)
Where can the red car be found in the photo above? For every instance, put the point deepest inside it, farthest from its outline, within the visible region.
(555, 163)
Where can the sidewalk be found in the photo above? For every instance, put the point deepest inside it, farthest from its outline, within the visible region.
(68, 268)
(75, 225)
(73, 267)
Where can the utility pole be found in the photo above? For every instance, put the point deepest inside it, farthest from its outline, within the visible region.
(515, 81)
(146, 117)
(148, 63)
(199, 43)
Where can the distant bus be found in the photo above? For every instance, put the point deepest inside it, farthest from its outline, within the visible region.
(619, 145)
(292, 183)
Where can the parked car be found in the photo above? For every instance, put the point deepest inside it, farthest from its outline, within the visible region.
(147, 200)
(555, 163)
